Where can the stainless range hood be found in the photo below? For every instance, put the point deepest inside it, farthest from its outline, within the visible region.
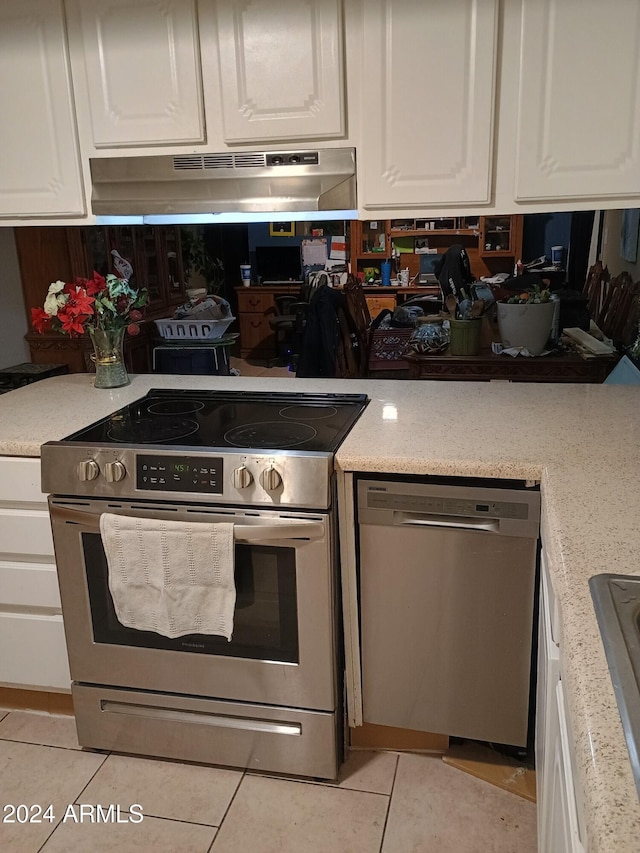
(246, 182)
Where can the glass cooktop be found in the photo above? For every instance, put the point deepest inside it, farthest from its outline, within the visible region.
(230, 419)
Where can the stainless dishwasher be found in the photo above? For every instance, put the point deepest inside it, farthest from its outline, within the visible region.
(447, 579)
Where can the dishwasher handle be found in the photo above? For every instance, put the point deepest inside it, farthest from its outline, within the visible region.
(492, 525)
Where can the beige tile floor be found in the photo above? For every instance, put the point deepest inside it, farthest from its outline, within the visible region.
(383, 802)
(258, 368)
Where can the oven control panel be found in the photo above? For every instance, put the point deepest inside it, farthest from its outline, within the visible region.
(179, 474)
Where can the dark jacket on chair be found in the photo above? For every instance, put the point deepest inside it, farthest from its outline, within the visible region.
(320, 354)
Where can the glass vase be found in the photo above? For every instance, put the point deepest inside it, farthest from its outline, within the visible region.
(108, 358)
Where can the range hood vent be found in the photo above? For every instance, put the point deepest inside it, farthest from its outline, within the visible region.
(251, 181)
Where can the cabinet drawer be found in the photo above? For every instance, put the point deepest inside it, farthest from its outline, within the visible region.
(376, 304)
(20, 480)
(25, 531)
(38, 652)
(254, 301)
(29, 585)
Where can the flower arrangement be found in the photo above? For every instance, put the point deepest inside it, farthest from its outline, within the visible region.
(99, 303)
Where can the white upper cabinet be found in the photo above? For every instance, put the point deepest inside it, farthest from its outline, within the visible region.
(40, 166)
(428, 102)
(579, 100)
(281, 69)
(141, 59)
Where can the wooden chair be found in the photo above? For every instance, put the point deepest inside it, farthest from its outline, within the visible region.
(359, 322)
(288, 324)
(615, 310)
(595, 289)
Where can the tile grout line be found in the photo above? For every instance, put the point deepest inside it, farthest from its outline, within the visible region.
(226, 811)
(59, 823)
(386, 817)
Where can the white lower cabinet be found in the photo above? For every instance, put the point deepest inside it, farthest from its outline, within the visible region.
(559, 828)
(31, 629)
(40, 165)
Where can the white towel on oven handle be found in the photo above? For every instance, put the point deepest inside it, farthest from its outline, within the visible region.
(171, 577)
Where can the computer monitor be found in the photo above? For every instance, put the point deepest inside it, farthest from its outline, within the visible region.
(278, 264)
(428, 264)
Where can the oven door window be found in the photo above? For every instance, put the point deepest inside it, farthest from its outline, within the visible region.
(265, 622)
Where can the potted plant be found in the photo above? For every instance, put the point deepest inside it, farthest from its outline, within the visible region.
(200, 269)
(525, 320)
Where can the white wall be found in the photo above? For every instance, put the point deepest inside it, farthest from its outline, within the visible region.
(610, 253)
(13, 320)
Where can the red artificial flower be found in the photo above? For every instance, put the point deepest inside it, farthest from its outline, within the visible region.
(82, 303)
(135, 315)
(72, 322)
(133, 329)
(96, 284)
(40, 320)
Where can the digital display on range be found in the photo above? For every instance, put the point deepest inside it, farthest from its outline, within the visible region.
(179, 474)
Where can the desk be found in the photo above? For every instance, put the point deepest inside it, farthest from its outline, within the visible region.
(566, 367)
(256, 307)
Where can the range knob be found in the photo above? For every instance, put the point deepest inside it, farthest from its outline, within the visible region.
(114, 472)
(87, 470)
(242, 477)
(270, 479)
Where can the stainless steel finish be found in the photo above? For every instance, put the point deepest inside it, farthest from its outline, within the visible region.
(87, 470)
(218, 720)
(242, 477)
(616, 599)
(270, 479)
(451, 521)
(114, 472)
(447, 607)
(220, 183)
(249, 533)
(259, 737)
(306, 477)
(309, 684)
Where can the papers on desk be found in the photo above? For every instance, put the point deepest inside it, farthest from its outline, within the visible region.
(584, 342)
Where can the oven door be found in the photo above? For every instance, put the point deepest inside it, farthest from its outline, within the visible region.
(283, 647)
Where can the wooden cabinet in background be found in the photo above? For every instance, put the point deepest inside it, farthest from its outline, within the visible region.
(256, 306)
(493, 243)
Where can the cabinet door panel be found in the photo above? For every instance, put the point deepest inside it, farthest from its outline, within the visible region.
(579, 106)
(143, 71)
(281, 69)
(429, 72)
(48, 668)
(39, 167)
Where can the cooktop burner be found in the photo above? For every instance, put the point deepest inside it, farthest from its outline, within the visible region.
(234, 419)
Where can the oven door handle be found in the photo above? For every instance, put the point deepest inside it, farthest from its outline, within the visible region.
(249, 533)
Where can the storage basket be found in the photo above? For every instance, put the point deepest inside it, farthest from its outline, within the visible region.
(387, 349)
(464, 336)
(195, 330)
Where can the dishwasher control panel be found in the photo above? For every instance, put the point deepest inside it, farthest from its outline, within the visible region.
(510, 512)
(467, 507)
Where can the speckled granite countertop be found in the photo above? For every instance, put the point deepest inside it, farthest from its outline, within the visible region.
(580, 441)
